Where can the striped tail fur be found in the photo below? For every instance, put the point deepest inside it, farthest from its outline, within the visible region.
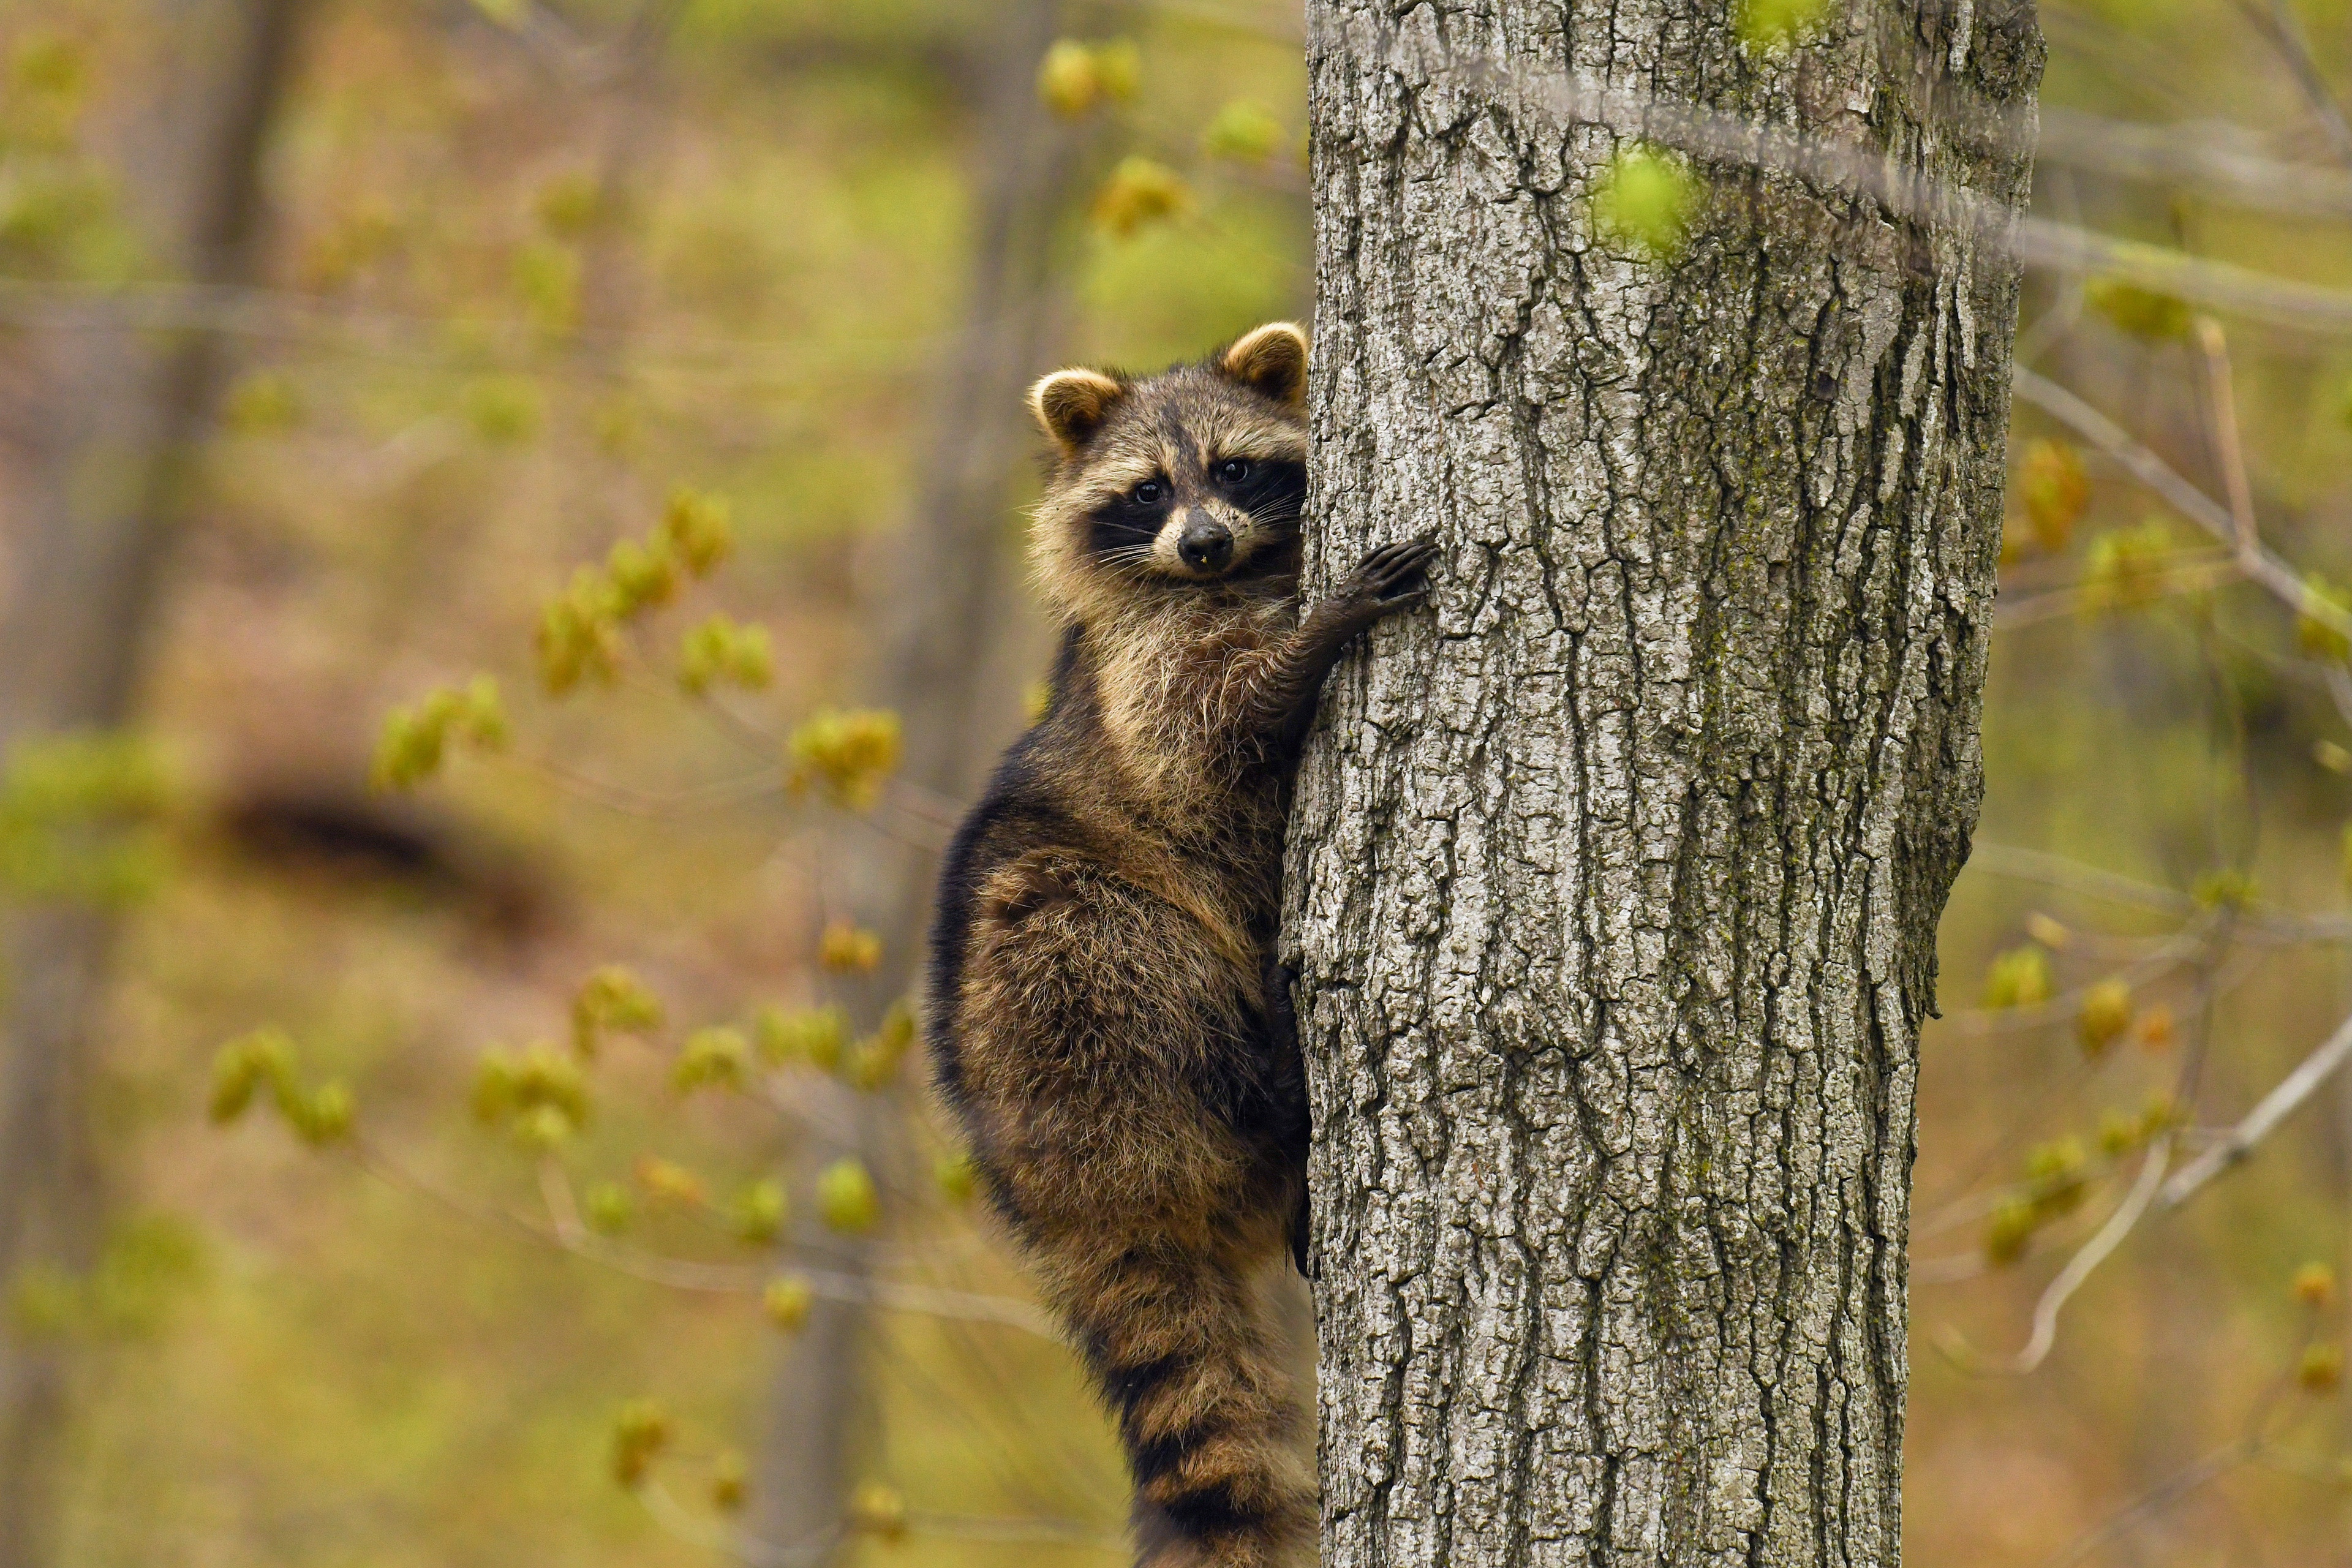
(1181, 1349)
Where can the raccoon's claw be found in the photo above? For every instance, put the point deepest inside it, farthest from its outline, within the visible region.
(1391, 578)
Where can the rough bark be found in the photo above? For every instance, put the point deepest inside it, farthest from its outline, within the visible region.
(105, 426)
(943, 584)
(1614, 880)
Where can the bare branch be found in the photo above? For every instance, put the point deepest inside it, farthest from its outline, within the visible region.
(2260, 1122)
(2192, 154)
(717, 1535)
(2080, 1268)
(2211, 1468)
(2058, 872)
(568, 1233)
(2261, 566)
(2196, 576)
(2219, 383)
(574, 1236)
(2283, 31)
(657, 805)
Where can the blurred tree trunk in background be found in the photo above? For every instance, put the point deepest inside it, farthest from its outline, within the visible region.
(1615, 904)
(102, 425)
(942, 589)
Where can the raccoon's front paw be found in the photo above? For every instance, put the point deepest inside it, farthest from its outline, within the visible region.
(1391, 578)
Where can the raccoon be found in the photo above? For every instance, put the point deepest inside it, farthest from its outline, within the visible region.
(1105, 1015)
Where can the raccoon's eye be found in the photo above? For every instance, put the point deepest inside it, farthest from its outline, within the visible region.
(1147, 493)
(1233, 471)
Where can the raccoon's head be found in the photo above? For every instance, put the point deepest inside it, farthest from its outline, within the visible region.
(1175, 482)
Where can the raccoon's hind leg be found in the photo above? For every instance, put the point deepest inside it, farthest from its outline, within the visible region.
(1180, 1347)
(1122, 1113)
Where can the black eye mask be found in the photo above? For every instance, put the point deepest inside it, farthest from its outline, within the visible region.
(1273, 492)
(1125, 527)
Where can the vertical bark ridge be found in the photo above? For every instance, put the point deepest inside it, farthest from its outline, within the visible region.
(1614, 883)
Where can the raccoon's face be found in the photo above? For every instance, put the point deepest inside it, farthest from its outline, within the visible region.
(1189, 478)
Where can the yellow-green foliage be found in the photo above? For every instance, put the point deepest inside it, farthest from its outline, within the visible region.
(1140, 190)
(640, 1432)
(848, 756)
(671, 1182)
(2103, 1016)
(547, 279)
(874, 1061)
(760, 1211)
(608, 1208)
(261, 402)
(265, 1060)
(580, 634)
(148, 1263)
(1243, 131)
(79, 819)
(847, 949)
(787, 1301)
(956, 1177)
(417, 737)
(1774, 24)
(262, 1059)
(612, 998)
(539, 1093)
(502, 410)
(698, 529)
(846, 1198)
(569, 205)
(2127, 567)
(2020, 977)
(2228, 889)
(714, 1058)
(2316, 633)
(1642, 203)
(2055, 491)
(1075, 77)
(720, 651)
(2141, 312)
(813, 1037)
(580, 629)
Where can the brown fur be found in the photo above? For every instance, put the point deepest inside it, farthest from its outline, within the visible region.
(1101, 1016)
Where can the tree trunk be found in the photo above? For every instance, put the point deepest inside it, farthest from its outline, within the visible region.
(107, 423)
(943, 584)
(1614, 880)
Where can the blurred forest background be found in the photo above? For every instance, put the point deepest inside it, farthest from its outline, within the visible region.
(509, 518)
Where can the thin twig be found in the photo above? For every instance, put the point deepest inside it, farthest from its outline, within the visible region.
(717, 1535)
(2228, 447)
(2085, 1262)
(2261, 566)
(2058, 872)
(652, 804)
(2195, 575)
(2260, 1122)
(683, 1274)
(2211, 1468)
(568, 1233)
(2280, 27)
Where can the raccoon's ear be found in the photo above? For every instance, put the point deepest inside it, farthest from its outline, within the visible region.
(1071, 405)
(1272, 360)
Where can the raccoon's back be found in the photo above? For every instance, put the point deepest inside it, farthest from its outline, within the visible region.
(1018, 811)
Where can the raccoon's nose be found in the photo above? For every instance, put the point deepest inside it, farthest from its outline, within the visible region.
(1205, 546)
